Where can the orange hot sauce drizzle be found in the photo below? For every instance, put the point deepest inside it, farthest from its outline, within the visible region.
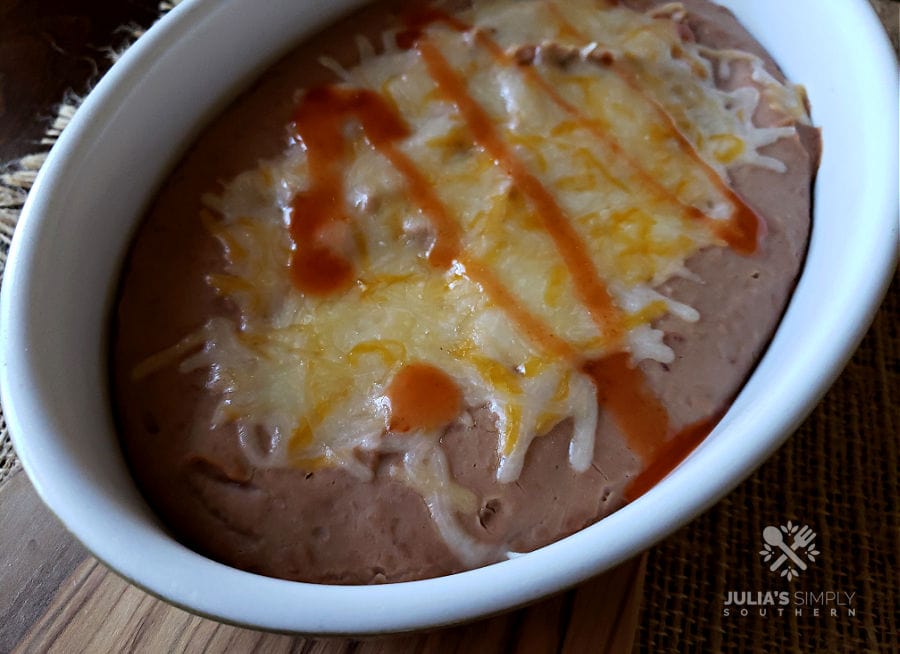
(447, 249)
(533, 327)
(590, 289)
(318, 267)
(422, 397)
(743, 231)
(318, 121)
(621, 389)
(669, 455)
(744, 228)
(586, 123)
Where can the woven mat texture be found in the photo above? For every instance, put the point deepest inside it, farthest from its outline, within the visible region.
(838, 474)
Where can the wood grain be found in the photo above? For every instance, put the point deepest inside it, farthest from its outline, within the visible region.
(37, 555)
(55, 597)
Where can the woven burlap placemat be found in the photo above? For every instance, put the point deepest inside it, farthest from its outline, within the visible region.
(837, 474)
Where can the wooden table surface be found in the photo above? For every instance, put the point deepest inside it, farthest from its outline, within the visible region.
(54, 596)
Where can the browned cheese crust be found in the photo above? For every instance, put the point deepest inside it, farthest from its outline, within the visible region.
(329, 527)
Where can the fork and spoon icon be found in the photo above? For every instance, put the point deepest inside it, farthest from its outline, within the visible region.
(774, 537)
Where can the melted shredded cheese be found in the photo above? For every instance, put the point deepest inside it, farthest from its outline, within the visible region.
(311, 372)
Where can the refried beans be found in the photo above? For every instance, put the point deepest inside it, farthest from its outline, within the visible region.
(448, 285)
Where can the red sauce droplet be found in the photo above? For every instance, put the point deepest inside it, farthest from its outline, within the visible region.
(422, 397)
